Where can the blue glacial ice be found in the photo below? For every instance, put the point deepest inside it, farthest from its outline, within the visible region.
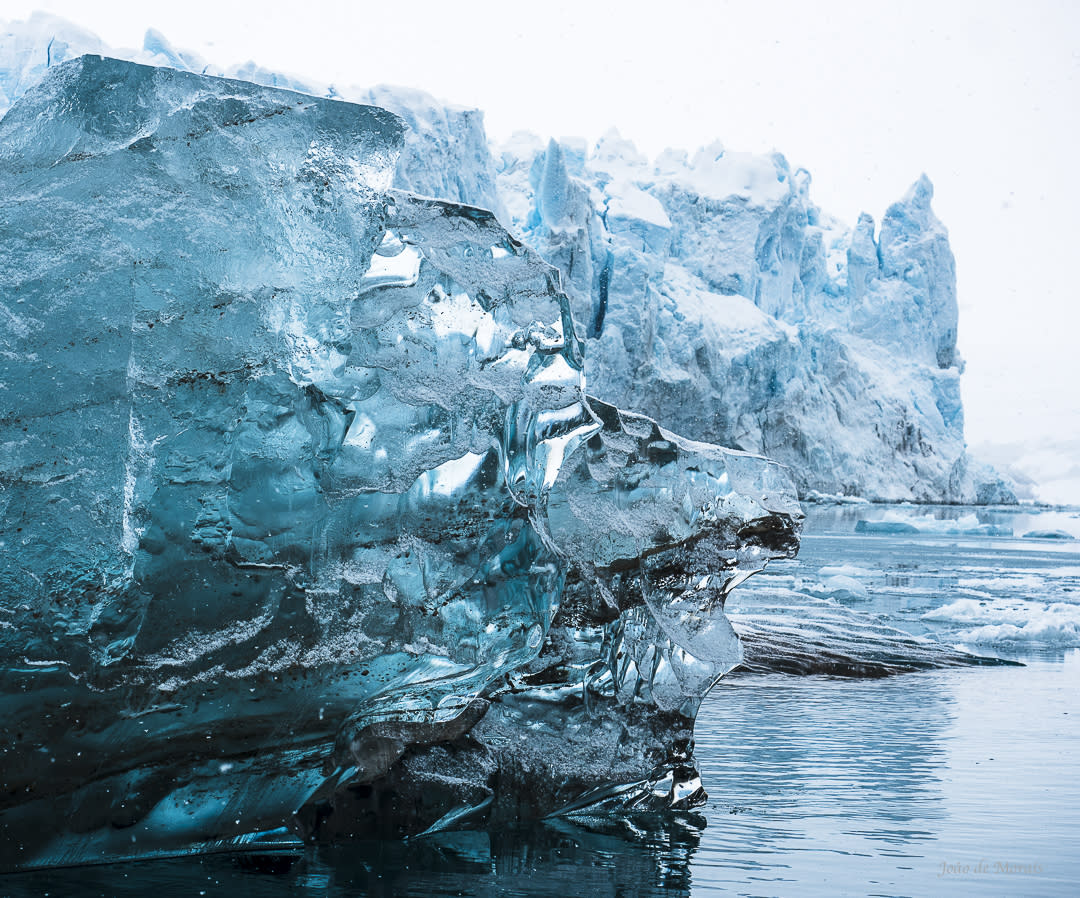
(308, 527)
(719, 299)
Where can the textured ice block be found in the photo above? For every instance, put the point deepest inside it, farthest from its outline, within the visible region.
(306, 518)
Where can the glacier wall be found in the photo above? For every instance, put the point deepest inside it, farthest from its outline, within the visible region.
(715, 296)
(309, 528)
(719, 299)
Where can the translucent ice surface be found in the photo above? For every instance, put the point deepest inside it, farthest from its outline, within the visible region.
(308, 527)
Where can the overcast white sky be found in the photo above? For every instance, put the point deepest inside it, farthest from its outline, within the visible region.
(982, 96)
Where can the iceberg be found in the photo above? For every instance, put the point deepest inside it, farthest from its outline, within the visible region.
(718, 299)
(309, 528)
(1048, 534)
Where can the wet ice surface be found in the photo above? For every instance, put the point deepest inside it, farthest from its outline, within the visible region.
(819, 785)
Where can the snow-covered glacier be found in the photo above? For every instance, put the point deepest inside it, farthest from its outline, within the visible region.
(722, 301)
(715, 296)
(308, 526)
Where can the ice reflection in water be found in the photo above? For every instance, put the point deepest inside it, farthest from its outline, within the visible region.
(820, 766)
(870, 787)
(597, 859)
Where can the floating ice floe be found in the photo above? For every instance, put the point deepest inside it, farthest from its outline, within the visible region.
(1004, 621)
(895, 522)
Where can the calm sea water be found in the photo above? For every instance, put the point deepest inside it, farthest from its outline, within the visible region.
(959, 781)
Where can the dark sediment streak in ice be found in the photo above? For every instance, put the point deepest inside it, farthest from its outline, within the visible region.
(796, 637)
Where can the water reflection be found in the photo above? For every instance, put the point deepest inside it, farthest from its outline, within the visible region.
(818, 771)
(822, 786)
(631, 858)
